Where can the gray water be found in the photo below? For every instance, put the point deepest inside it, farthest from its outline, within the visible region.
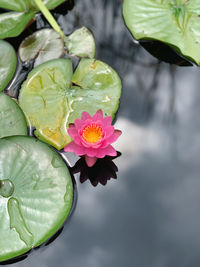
(150, 215)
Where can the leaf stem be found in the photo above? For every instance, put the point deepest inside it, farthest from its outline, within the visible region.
(49, 17)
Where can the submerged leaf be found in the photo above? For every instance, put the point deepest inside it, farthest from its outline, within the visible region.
(175, 22)
(13, 23)
(50, 101)
(42, 46)
(8, 63)
(40, 195)
(12, 119)
(81, 43)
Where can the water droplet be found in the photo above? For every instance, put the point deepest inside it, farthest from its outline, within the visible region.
(56, 163)
(6, 188)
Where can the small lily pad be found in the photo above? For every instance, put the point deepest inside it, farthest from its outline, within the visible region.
(42, 46)
(174, 22)
(52, 97)
(81, 43)
(12, 119)
(8, 63)
(35, 194)
(13, 23)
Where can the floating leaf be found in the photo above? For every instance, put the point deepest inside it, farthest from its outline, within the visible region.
(13, 23)
(51, 103)
(16, 5)
(35, 194)
(8, 63)
(42, 46)
(81, 43)
(12, 120)
(174, 22)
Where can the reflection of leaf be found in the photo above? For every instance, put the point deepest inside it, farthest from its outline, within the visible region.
(38, 205)
(12, 120)
(175, 22)
(13, 23)
(8, 63)
(42, 46)
(50, 101)
(81, 43)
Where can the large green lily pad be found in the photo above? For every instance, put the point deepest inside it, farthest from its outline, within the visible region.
(52, 96)
(8, 63)
(175, 22)
(36, 194)
(12, 119)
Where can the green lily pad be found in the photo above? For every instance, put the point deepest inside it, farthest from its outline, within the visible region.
(15, 5)
(36, 194)
(81, 43)
(12, 119)
(175, 22)
(8, 63)
(13, 23)
(51, 102)
(42, 46)
(23, 5)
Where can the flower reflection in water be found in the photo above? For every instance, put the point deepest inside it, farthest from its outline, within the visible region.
(103, 170)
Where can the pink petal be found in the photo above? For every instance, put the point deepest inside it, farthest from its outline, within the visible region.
(78, 123)
(85, 116)
(77, 140)
(91, 152)
(107, 121)
(111, 139)
(108, 131)
(72, 131)
(107, 151)
(90, 161)
(72, 147)
(98, 116)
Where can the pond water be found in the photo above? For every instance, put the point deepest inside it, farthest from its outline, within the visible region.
(149, 215)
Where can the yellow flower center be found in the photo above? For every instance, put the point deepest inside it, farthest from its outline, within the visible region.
(92, 133)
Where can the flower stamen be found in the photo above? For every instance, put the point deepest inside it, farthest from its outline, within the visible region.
(92, 133)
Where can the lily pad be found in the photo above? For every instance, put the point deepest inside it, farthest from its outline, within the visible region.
(12, 119)
(51, 101)
(23, 5)
(42, 46)
(15, 5)
(175, 22)
(36, 194)
(8, 63)
(81, 43)
(13, 23)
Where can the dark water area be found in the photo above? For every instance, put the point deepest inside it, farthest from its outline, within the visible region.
(141, 209)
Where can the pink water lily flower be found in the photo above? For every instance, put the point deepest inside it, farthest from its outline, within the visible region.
(92, 137)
